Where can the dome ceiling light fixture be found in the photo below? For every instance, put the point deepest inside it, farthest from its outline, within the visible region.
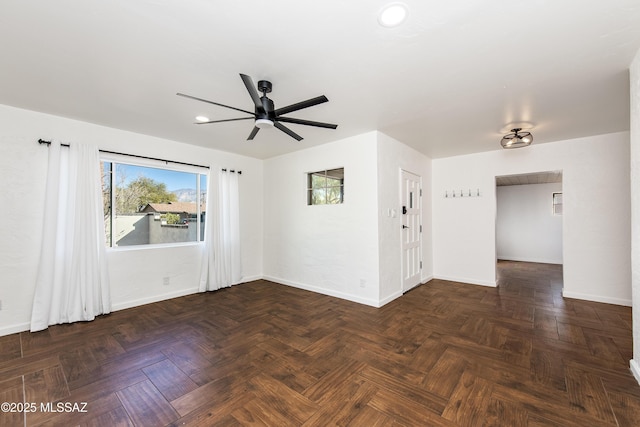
(516, 139)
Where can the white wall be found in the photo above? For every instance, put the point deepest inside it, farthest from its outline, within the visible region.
(330, 249)
(394, 156)
(526, 229)
(136, 274)
(352, 250)
(635, 204)
(596, 220)
(342, 250)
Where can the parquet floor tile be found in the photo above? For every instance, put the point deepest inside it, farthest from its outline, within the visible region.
(263, 354)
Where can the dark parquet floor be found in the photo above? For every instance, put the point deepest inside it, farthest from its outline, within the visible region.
(444, 354)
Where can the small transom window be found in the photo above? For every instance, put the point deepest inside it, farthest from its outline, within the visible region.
(325, 187)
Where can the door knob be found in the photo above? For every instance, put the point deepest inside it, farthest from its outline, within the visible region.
(404, 226)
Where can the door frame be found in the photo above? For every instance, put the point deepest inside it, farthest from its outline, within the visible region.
(402, 173)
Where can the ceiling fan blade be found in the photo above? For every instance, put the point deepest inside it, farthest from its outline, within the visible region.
(253, 133)
(224, 120)
(300, 105)
(255, 96)
(306, 122)
(288, 131)
(216, 103)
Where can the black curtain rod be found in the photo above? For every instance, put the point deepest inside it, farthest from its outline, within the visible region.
(232, 171)
(42, 141)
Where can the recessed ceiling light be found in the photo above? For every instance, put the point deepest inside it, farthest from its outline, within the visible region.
(202, 119)
(393, 14)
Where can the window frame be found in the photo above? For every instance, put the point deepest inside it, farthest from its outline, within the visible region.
(132, 160)
(555, 211)
(324, 173)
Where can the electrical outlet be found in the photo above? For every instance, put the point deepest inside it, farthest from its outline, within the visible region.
(362, 283)
(165, 281)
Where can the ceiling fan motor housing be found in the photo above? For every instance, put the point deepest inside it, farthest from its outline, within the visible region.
(269, 109)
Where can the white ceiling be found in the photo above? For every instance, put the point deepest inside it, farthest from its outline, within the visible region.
(451, 80)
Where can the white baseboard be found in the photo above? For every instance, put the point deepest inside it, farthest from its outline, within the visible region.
(14, 329)
(324, 291)
(468, 281)
(390, 298)
(143, 301)
(635, 369)
(597, 298)
(22, 327)
(251, 279)
(536, 260)
(426, 279)
(404, 291)
(176, 294)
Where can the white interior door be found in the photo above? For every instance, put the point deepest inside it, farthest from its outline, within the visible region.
(411, 190)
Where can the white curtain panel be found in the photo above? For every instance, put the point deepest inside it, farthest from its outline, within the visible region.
(221, 263)
(72, 282)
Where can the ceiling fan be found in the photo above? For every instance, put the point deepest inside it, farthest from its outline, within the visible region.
(265, 114)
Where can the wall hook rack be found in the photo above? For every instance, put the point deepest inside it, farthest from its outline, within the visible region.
(462, 193)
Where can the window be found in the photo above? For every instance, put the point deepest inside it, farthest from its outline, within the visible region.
(151, 205)
(325, 187)
(557, 203)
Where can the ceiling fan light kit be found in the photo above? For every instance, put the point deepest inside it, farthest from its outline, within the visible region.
(263, 123)
(516, 139)
(265, 114)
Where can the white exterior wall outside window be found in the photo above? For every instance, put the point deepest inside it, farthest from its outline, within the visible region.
(151, 205)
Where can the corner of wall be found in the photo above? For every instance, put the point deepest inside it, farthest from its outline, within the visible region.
(393, 157)
(301, 240)
(634, 80)
(635, 369)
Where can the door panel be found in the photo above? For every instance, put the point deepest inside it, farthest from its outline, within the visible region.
(411, 200)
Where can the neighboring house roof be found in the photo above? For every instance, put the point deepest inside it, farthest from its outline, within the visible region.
(173, 207)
